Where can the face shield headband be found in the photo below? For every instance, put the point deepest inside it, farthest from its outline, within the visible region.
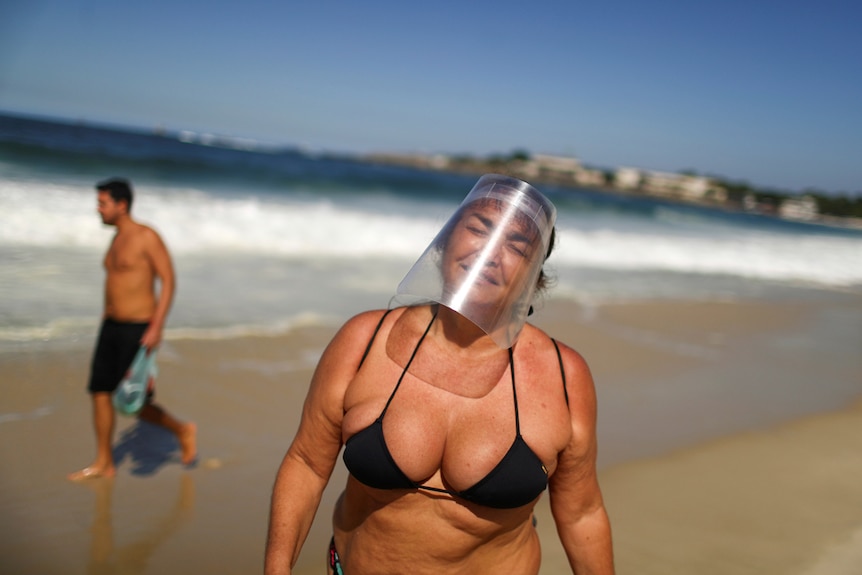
(486, 260)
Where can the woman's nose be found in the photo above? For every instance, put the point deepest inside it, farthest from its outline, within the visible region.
(492, 256)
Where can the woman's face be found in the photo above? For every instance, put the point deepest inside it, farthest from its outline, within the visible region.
(490, 251)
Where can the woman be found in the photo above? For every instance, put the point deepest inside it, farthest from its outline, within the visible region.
(455, 415)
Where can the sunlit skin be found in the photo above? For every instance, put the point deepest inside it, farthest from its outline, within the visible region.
(450, 423)
(136, 258)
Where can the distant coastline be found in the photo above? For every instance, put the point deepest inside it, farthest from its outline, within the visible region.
(811, 207)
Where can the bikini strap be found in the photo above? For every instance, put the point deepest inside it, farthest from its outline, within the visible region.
(406, 367)
(562, 370)
(373, 336)
(514, 393)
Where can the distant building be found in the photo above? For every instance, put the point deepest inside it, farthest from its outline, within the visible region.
(545, 166)
(667, 184)
(555, 167)
(661, 183)
(627, 178)
(439, 161)
(566, 164)
(694, 187)
(749, 203)
(588, 177)
(803, 208)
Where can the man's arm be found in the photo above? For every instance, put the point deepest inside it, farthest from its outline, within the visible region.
(575, 497)
(311, 457)
(163, 268)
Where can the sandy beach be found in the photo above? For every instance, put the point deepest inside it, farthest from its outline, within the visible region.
(730, 443)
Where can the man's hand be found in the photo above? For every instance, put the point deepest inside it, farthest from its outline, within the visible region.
(152, 337)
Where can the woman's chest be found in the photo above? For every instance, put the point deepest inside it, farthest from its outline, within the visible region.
(452, 440)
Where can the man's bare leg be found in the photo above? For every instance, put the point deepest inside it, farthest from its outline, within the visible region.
(103, 423)
(186, 433)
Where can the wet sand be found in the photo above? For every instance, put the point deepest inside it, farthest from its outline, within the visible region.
(730, 442)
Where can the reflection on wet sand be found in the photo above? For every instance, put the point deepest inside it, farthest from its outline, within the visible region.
(105, 557)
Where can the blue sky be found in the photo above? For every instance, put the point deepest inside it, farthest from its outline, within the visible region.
(767, 92)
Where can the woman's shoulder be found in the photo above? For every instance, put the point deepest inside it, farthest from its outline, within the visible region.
(539, 338)
(344, 353)
(540, 343)
(358, 331)
(365, 318)
(361, 327)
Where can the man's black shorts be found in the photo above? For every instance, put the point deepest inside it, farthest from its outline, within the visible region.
(115, 349)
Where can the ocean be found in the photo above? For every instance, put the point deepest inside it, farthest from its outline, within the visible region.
(266, 239)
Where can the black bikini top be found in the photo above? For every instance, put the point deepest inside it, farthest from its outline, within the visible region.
(516, 480)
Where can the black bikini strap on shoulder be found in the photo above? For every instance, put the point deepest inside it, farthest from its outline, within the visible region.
(514, 392)
(406, 367)
(373, 336)
(562, 369)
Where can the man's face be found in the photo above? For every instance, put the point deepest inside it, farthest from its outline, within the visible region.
(109, 209)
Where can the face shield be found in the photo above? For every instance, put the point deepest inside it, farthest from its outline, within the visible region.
(485, 262)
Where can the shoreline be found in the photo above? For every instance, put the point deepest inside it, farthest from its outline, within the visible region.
(703, 408)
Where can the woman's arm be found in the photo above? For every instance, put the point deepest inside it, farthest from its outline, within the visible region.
(575, 497)
(312, 455)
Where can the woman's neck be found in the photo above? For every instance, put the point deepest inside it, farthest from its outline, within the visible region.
(460, 333)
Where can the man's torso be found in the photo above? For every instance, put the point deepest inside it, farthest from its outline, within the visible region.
(130, 276)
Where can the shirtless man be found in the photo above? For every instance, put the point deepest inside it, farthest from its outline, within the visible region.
(134, 316)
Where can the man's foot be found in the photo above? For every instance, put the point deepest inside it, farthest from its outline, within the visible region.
(189, 443)
(92, 472)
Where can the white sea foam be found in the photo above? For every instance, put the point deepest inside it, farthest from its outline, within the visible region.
(195, 222)
(826, 260)
(44, 215)
(259, 262)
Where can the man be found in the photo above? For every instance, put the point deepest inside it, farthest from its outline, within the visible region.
(134, 316)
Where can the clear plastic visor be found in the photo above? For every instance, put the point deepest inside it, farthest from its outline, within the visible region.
(485, 262)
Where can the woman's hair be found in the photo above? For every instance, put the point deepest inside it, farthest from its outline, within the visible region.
(544, 281)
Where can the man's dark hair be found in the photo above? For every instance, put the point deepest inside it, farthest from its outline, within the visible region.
(120, 190)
